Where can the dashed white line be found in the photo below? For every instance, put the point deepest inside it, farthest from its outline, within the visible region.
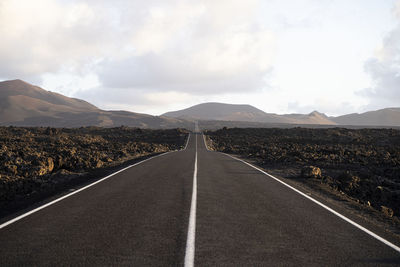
(191, 236)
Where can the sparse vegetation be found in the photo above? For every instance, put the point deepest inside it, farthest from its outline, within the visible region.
(362, 163)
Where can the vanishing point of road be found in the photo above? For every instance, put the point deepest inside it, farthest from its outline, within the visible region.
(189, 207)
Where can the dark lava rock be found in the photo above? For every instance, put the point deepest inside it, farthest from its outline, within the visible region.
(35, 160)
(387, 211)
(362, 163)
(311, 172)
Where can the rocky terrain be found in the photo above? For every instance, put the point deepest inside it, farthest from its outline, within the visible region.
(363, 164)
(38, 161)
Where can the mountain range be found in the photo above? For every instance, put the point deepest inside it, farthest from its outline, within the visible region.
(247, 113)
(23, 104)
(231, 112)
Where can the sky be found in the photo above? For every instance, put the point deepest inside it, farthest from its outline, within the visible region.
(154, 56)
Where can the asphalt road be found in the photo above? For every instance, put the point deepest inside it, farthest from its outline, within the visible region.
(140, 217)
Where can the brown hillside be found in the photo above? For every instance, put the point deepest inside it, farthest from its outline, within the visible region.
(23, 104)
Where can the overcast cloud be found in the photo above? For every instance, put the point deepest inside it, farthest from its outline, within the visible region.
(384, 70)
(153, 56)
(45, 36)
(196, 47)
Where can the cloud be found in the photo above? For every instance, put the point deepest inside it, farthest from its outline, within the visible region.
(43, 36)
(154, 103)
(202, 47)
(384, 70)
(199, 47)
(397, 9)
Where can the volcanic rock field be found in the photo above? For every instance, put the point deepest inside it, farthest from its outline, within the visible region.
(39, 161)
(363, 164)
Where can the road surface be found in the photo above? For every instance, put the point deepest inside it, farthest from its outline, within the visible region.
(140, 217)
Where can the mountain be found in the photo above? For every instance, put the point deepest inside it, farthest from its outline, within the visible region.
(382, 117)
(389, 117)
(219, 111)
(23, 104)
(234, 112)
(20, 100)
(314, 117)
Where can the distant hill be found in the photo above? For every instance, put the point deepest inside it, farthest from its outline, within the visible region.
(233, 112)
(246, 113)
(219, 111)
(23, 104)
(314, 117)
(382, 117)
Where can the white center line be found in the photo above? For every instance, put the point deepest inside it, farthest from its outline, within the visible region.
(190, 242)
(73, 192)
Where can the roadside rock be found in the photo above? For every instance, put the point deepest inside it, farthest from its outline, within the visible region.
(35, 160)
(11, 169)
(348, 182)
(311, 172)
(364, 164)
(387, 211)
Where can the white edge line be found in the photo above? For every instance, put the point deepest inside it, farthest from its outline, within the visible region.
(81, 189)
(187, 142)
(205, 144)
(386, 242)
(191, 236)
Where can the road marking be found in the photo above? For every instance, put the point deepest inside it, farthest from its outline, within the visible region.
(76, 191)
(205, 144)
(190, 241)
(386, 242)
(187, 142)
